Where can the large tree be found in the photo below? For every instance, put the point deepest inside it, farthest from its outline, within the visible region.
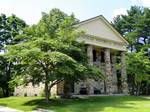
(138, 67)
(49, 53)
(10, 27)
(135, 27)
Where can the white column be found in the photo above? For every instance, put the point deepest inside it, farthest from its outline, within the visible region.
(108, 72)
(90, 61)
(123, 74)
(114, 73)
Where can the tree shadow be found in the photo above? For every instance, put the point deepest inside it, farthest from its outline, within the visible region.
(3, 104)
(92, 104)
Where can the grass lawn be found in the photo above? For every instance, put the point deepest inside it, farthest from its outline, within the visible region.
(92, 104)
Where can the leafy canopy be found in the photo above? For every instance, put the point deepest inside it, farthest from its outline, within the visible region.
(49, 52)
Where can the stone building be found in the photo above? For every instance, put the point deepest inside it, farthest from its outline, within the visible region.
(103, 43)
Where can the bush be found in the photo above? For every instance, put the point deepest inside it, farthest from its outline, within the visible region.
(42, 93)
(1, 93)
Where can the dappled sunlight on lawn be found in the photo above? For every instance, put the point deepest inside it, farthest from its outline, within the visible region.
(93, 104)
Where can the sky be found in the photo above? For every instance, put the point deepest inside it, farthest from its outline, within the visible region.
(30, 10)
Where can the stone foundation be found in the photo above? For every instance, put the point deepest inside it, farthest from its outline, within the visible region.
(30, 90)
(105, 60)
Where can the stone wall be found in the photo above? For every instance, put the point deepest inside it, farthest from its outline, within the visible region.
(109, 86)
(30, 90)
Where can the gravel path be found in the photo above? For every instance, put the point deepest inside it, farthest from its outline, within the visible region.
(6, 109)
(42, 110)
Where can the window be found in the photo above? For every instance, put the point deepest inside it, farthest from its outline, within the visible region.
(72, 87)
(102, 57)
(94, 55)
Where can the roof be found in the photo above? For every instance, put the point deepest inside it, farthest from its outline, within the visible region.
(107, 23)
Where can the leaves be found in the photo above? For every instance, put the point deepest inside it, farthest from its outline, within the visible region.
(48, 52)
(138, 66)
(135, 26)
(10, 27)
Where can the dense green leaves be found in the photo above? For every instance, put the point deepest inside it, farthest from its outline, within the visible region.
(135, 26)
(49, 52)
(138, 68)
(10, 27)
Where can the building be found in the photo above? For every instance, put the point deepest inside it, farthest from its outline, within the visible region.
(103, 43)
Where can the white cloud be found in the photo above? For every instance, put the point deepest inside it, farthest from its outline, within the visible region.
(119, 11)
(145, 3)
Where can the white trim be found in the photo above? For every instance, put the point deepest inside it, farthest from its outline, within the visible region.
(113, 29)
(106, 22)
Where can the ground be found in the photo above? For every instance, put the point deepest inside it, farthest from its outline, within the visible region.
(92, 104)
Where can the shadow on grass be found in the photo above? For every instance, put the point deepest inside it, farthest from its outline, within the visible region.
(3, 104)
(93, 104)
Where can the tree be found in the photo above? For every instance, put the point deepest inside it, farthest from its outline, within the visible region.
(49, 53)
(5, 74)
(138, 66)
(135, 26)
(10, 27)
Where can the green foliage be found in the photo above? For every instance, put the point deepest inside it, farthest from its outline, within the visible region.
(135, 26)
(42, 93)
(49, 52)
(138, 67)
(1, 93)
(10, 27)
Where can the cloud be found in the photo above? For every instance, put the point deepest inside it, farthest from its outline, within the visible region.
(145, 3)
(119, 11)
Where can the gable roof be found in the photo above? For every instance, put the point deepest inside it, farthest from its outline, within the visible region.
(111, 30)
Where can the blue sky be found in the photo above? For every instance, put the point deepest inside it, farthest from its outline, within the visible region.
(30, 10)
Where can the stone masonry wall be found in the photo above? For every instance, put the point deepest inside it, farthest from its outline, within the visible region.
(31, 90)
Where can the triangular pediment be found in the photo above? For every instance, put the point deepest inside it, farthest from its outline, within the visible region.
(101, 28)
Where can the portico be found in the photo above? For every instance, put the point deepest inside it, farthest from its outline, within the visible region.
(104, 46)
(105, 60)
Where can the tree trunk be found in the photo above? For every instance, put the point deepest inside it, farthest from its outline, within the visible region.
(147, 88)
(133, 89)
(138, 90)
(3, 92)
(47, 92)
(67, 89)
(8, 77)
(7, 92)
(104, 87)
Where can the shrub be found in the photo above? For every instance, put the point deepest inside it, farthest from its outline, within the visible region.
(1, 93)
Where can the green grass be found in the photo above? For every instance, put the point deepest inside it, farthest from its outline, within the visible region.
(93, 104)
